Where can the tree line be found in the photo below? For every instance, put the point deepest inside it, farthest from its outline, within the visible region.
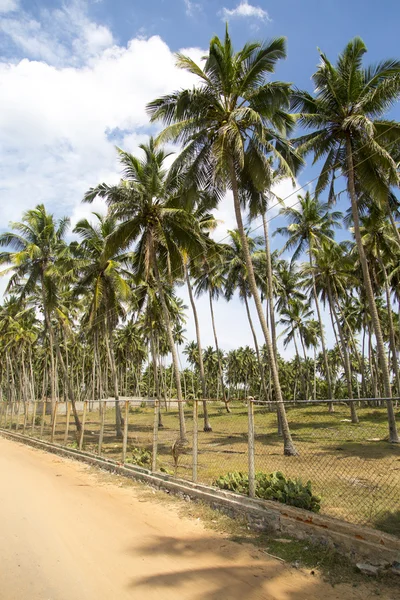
(102, 312)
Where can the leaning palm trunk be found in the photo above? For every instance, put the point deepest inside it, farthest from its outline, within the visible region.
(257, 349)
(175, 361)
(156, 378)
(221, 376)
(289, 448)
(393, 435)
(270, 300)
(207, 426)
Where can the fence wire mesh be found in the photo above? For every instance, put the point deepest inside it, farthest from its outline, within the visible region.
(352, 466)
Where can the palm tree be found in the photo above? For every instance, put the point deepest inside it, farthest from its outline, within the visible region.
(38, 251)
(333, 274)
(229, 124)
(309, 225)
(348, 131)
(210, 279)
(104, 282)
(236, 280)
(151, 215)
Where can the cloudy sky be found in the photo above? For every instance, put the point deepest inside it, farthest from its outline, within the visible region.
(75, 77)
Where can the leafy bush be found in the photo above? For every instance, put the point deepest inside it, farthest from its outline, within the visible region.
(140, 457)
(273, 486)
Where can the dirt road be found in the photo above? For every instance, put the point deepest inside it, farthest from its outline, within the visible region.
(65, 534)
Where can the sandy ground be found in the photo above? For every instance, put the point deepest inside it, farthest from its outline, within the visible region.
(67, 535)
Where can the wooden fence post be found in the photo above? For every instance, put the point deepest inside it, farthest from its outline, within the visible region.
(54, 421)
(195, 439)
(103, 406)
(11, 414)
(43, 418)
(26, 410)
(83, 425)
(67, 417)
(18, 411)
(250, 450)
(33, 416)
(155, 437)
(125, 438)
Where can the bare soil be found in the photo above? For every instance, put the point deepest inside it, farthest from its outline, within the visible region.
(69, 533)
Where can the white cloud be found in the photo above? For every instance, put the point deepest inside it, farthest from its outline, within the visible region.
(7, 6)
(245, 10)
(60, 118)
(191, 7)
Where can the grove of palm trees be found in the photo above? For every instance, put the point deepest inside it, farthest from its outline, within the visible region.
(96, 311)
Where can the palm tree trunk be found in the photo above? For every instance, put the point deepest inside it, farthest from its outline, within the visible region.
(111, 360)
(221, 376)
(322, 333)
(175, 362)
(269, 283)
(207, 426)
(156, 378)
(392, 339)
(393, 435)
(257, 349)
(289, 448)
(345, 354)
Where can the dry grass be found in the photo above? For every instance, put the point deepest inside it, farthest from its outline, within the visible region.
(352, 466)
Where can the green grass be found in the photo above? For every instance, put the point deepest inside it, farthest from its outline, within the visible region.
(351, 466)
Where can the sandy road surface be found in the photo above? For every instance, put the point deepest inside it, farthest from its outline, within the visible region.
(67, 535)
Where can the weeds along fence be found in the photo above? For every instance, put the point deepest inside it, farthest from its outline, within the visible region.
(351, 466)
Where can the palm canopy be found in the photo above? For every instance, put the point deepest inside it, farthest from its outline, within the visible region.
(234, 116)
(150, 212)
(348, 104)
(309, 225)
(37, 252)
(104, 279)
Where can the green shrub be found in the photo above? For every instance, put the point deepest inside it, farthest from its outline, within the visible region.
(273, 486)
(140, 457)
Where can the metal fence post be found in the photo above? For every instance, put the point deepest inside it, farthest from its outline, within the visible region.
(103, 407)
(54, 421)
(83, 425)
(195, 439)
(67, 418)
(125, 438)
(155, 436)
(250, 450)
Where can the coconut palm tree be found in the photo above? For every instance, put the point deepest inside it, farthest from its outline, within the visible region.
(309, 225)
(229, 124)
(151, 214)
(36, 260)
(210, 279)
(345, 116)
(236, 280)
(104, 281)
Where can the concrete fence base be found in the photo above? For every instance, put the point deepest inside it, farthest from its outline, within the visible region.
(354, 541)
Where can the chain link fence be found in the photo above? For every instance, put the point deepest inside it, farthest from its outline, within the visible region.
(351, 466)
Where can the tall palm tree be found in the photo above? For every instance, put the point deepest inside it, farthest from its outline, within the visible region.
(309, 225)
(38, 250)
(236, 280)
(229, 124)
(345, 116)
(150, 214)
(210, 279)
(104, 281)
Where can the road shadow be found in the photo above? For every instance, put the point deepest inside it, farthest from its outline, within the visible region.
(229, 574)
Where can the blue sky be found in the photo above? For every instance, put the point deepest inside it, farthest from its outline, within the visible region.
(75, 77)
